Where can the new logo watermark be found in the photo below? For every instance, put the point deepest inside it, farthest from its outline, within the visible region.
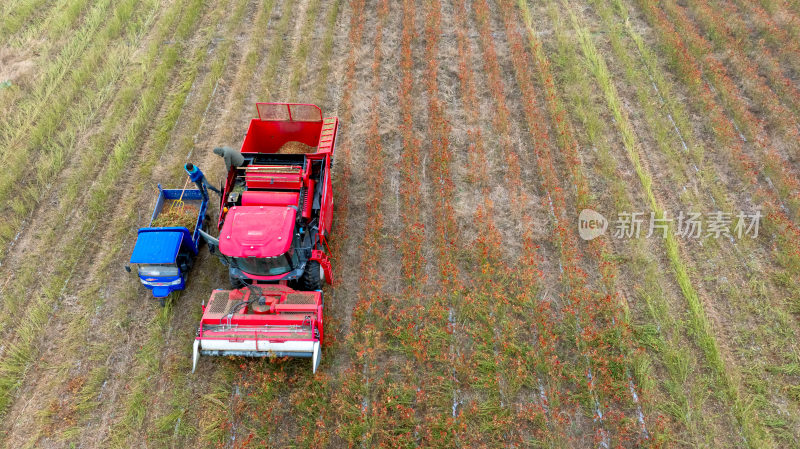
(592, 224)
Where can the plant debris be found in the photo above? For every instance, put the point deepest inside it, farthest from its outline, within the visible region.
(173, 215)
(295, 147)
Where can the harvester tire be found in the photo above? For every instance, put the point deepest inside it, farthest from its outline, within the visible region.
(312, 279)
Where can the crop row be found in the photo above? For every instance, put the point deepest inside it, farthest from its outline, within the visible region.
(554, 336)
(85, 399)
(475, 313)
(73, 188)
(315, 401)
(763, 94)
(662, 332)
(736, 30)
(511, 295)
(657, 308)
(159, 141)
(604, 338)
(671, 130)
(377, 403)
(441, 421)
(711, 252)
(777, 216)
(300, 66)
(19, 122)
(15, 16)
(699, 320)
(54, 23)
(70, 192)
(706, 341)
(693, 43)
(326, 49)
(406, 321)
(133, 402)
(787, 12)
(770, 32)
(422, 324)
(774, 321)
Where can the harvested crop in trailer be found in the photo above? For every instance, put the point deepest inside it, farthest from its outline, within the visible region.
(294, 147)
(174, 215)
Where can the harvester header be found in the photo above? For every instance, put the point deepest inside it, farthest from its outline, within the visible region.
(261, 320)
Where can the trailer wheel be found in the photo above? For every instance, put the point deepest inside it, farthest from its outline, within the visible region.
(312, 277)
(204, 226)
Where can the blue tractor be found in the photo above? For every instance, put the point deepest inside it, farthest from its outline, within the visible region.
(165, 254)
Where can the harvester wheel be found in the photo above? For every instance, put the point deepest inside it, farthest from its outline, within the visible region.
(312, 277)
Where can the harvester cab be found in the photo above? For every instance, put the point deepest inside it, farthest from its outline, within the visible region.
(276, 209)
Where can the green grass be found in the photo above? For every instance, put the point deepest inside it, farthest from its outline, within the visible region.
(13, 366)
(51, 132)
(16, 16)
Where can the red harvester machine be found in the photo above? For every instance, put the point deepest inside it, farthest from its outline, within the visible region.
(275, 215)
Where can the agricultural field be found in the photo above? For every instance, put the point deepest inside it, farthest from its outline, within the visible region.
(469, 308)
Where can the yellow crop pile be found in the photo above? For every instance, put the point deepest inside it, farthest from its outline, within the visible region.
(174, 215)
(294, 147)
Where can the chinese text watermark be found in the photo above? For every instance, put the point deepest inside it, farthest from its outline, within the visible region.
(689, 225)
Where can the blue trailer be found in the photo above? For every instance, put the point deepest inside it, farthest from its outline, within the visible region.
(165, 255)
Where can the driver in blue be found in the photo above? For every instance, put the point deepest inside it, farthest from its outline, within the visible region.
(197, 177)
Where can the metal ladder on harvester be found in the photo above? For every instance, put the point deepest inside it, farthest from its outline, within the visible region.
(328, 134)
